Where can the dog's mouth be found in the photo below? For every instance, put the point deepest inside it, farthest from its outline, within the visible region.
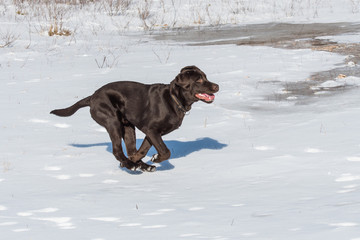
(206, 97)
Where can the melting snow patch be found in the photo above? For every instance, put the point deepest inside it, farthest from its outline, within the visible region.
(341, 82)
(332, 84)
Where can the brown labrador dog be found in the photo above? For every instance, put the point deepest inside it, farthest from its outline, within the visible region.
(154, 109)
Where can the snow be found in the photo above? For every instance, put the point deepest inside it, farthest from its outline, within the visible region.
(251, 165)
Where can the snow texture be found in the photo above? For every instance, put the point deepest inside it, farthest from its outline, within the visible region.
(248, 166)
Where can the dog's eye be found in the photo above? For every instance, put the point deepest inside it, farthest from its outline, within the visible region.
(200, 80)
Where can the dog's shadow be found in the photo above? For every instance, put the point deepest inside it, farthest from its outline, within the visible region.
(178, 149)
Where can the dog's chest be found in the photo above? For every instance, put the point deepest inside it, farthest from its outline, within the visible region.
(170, 125)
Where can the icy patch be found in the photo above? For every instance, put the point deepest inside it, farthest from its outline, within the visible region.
(351, 64)
(340, 81)
(331, 84)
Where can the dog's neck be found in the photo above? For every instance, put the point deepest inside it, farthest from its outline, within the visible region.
(177, 96)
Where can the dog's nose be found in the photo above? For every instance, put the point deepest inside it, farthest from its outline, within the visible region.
(215, 87)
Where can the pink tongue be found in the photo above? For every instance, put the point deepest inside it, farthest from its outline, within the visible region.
(206, 97)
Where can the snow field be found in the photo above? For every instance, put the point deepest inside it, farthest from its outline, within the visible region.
(248, 166)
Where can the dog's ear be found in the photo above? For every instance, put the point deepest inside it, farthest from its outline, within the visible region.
(182, 80)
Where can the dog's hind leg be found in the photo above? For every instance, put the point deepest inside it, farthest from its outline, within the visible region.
(129, 137)
(130, 143)
(143, 150)
(114, 128)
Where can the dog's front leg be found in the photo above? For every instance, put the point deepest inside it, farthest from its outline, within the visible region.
(163, 152)
(140, 154)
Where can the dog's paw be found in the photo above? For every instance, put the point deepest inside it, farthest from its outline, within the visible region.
(129, 165)
(155, 158)
(149, 168)
(146, 167)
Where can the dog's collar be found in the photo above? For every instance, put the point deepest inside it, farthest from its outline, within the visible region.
(178, 103)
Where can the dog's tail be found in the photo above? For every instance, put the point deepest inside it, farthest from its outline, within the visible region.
(72, 109)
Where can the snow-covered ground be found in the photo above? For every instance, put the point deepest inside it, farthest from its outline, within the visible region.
(252, 165)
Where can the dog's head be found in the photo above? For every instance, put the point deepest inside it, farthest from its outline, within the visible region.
(196, 86)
